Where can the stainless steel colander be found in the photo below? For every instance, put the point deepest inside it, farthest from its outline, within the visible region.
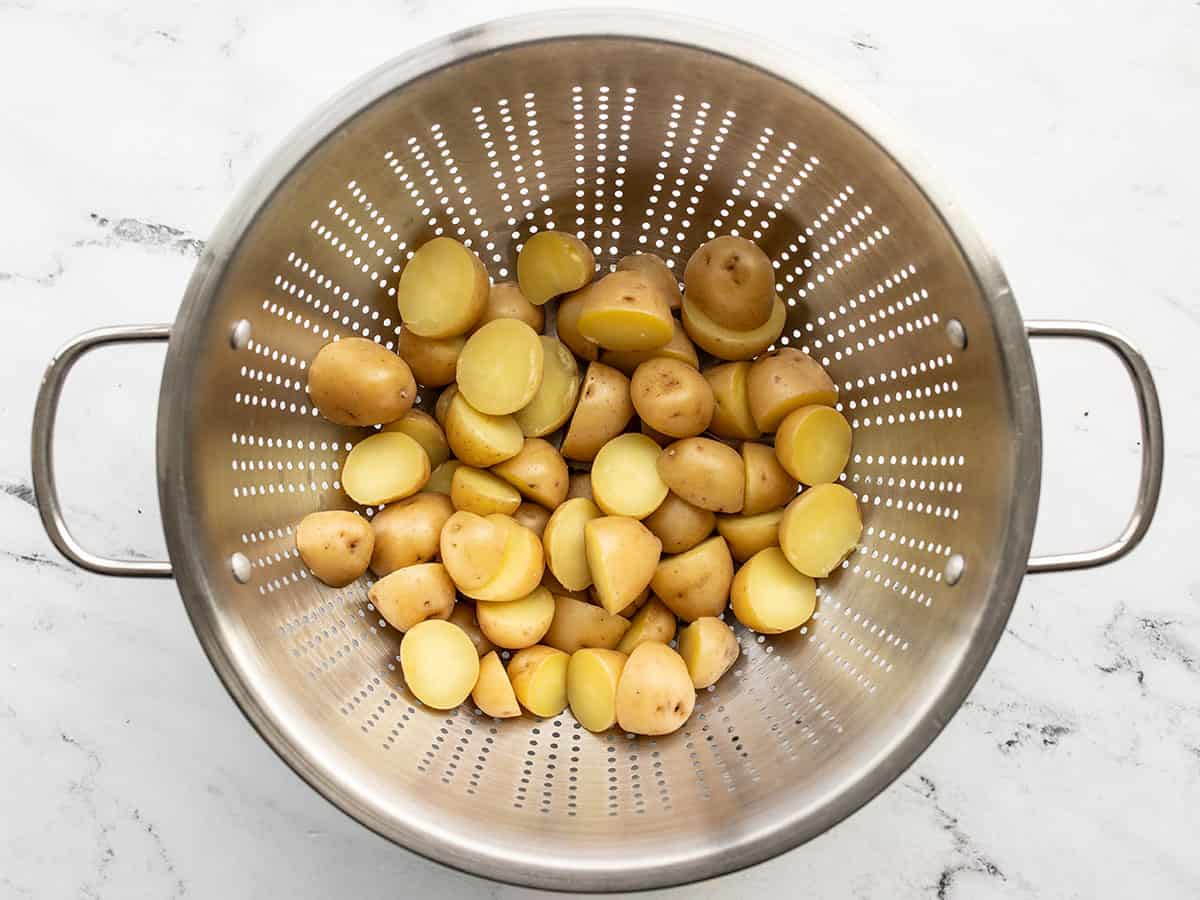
(636, 133)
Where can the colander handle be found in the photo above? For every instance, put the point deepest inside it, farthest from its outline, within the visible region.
(44, 415)
(1152, 445)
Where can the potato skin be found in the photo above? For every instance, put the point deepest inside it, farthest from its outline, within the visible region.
(732, 281)
(539, 679)
(603, 411)
(493, 692)
(433, 361)
(424, 429)
(625, 311)
(655, 694)
(472, 549)
(463, 615)
(592, 678)
(478, 439)
(481, 492)
(413, 594)
(556, 396)
(580, 486)
(705, 473)
(578, 624)
(505, 301)
(784, 380)
(768, 486)
(567, 324)
(516, 624)
(725, 343)
(696, 583)
(533, 517)
(336, 545)
(678, 347)
(355, 381)
(407, 532)
(538, 472)
(709, 649)
(652, 623)
(672, 397)
(622, 555)
(657, 272)
(746, 535)
(731, 413)
(680, 525)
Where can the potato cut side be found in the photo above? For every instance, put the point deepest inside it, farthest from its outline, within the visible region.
(443, 290)
(672, 397)
(555, 399)
(678, 348)
(768, 485)
(653, 623)
(539, 679)
(820, 528)
(463, 615)
(473, 549)
(553, 263)
(625, 479)
(413, 594)
(538, 472)
(724, 343)
(696, 583)
(709, 649)
(439, 663)
(336, 545)
(785, 380)
(505, 301)
(481, 492)
(442, 477)
(424, 429)
(603, 411)
(626, 311)
(493, 692)
(521, 567)
(500, 368)
(479, 439)
(567, 325)
(655, 694)
(355, 381)
(433, 360)
(578, 624)
(657, 272)
(746, 535)
(622, 555)
(680, 525)
(563, 539)
(731, 412)
(592, 679)
(771, 597)
(705, 473)
(813, 444)
(517, 624)
(384, 467)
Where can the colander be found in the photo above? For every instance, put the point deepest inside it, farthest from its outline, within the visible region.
(638, 133)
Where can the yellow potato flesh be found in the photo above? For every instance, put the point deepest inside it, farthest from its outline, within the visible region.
(493, 692)
(500, 368)
(336, 545)
(443, 290)
(709, 649)
(539, 679)
(414, 594)
(820, 528)
(785, 380)
(731, 415)
(424, 429)
(696, 583)
(771, 597)
(553, 263)
(555, 399)
(521, 567)
(624, 311)
(505, 301)
(813, 444)
(653, 623)
(724, 343)
(472, 549)
(678, 348)
(625, 479)
(655, 694)
(516, 624)
(432, 360)
(538, 472)
(746, 535)
(768, 485)
(579, 624)
(479, 439)
(567, 325)
(482, 493)
(680, 525)
(463, 615)
(563, 539)
(439, 663)
(441, 478)
(384, 467)
(592, 679)
(622, 555)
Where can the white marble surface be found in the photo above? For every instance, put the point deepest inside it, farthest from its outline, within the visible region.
(1074, 769)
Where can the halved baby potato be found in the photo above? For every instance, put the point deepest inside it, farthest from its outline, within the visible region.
(731, 413)
(493, 692)
(705, 473)
(384, 467)
(622, 555)
(539, 679)
(696, 583)
(770, 596)
(652, 623)
(538, 472)
(505, 301)
(768, 486)
(336, 545)
(680, 525)
(439, 663)
(813, 444)
(672, 397)
(555, 399)
(521, 567)
(553, 263)
(424, 429)
(500, 368)
(655, 694)
(725, 343)
(433, 360)
(603, 411)
(579, 624)
(732, 281)
(580, 485)
(443, 289)
(533, 517)
(355, 381)
(442, 477)
(567, 325)
(625, 479)
(709, 649)
(413, 594)
(626, 311)
(408, 532)
(516, 624)
(481, 492)
(678, 348)
(463, 615)
(592, 678)
(785, 380)
(655, 270)
(479, 439)
(472, 549)
(563, 539)
(820, 528)
(442, 406)
(746, 535)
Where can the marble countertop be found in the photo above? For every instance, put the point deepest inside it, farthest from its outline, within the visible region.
(1071, 133)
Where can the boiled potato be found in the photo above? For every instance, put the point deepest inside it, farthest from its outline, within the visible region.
(655, 694)
(678, 348)
(336, 545)
(384, 467)
(746, 535)
(771, 597)
(592, 679)
(505, 301)
(553, 263)
(539, 679)
(656, 271)
(493, 692)
(463, 615)
(521, 567)
(705, 473)
(439, 663)
(442, 477)
(731, 415)
(768, 486)
(731, 280)
(785, 380)
(820, 528)
(533, 517)
(580, 485)
(516, 624)
(554, 586)
(709, 649)
(424, 429)
(579, 624)
(413, 594)
(625, 479)
(433, 360)
(555, 399)
(442, 407)
(813, 444)
(566, 323)
(355, 381)
(472, 549)
(625, 311)
(652, 623)
(482, 493)
(443, 290)
(672, 397)
(603, 411)
(408, 532)
(725, 343)
(563, 539)
(500, 368)
(622, 555)
(479, 439)
(634, 605)
(538, 472)
(695, 583)
(680, 525)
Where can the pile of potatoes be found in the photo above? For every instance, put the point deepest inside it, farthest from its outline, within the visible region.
(578, 518)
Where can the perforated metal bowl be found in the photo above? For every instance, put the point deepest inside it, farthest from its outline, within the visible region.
(637, 133)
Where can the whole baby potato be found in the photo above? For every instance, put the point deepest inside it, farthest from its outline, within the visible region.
(493, 692)
(481, 492)
(384, 467)
(679, 348)
(705, 473)
(592, 678)
(709, 648)
(746, 535)
(555, 399)
(413, 594)
(538, 472)
(505, 301)
(680, 525)
(533, 517)
(622, 555)
(424, 429)
(786, 380)
(768, 486)
(408, 532)
(603, 411)
(655, 270)
(516, 624)
(655, 694)
(539, 679)
(672, 397)
(500, 368)
(553, 263)
(433, 361)
(652, 623)
(625, 311)
(726, 343)
(695, 583)
(769, 596)
(439, 663)
(355, 381)
(625, 479)
(732, 281)
(443, 289)
(731, 415)
(479, 439)
(579, 624)
(336, 545)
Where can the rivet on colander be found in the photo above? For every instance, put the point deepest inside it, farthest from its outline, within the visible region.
(955, 566)
(957, 334)
(240, 336)
(239, 564)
